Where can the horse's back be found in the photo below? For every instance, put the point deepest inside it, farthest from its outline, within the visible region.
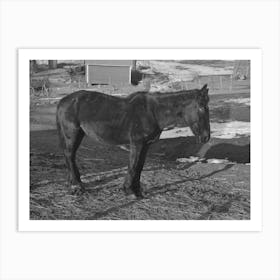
(85, 104)
(108, 118)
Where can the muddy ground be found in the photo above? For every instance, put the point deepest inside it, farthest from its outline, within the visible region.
(175, 189)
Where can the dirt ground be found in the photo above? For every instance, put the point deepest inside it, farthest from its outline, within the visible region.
(214, 186)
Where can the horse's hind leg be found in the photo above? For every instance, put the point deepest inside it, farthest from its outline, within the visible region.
(72, 139)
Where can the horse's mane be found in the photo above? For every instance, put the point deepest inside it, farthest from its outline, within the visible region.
(189, 94)
(186, 93)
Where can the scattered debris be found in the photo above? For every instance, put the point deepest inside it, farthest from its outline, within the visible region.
(124, 147)
(216, 160)
(189, 159)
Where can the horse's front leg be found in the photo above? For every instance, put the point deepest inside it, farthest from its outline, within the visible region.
(137, 158)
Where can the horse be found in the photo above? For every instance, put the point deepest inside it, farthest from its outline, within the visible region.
(137, 119)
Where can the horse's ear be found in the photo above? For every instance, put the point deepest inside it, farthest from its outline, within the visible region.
(204, 88)
(204, 91)
(203, 94)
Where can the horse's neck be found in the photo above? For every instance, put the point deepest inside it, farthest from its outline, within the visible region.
(171, 111)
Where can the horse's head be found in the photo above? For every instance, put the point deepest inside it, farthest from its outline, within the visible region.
(199, 116)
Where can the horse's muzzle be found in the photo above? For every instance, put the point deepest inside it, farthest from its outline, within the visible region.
(205, 139)
(202, 139)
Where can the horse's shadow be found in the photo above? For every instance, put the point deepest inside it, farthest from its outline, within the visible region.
(186, 147)
(166, 188)
(151, 192)
(234, 153)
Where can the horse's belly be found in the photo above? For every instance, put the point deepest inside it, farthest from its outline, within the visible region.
(105, 133)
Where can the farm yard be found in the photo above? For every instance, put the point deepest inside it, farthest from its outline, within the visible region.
(182, 180)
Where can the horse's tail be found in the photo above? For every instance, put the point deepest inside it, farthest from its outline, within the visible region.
(59, 128)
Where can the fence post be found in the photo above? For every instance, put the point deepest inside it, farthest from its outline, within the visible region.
(221, 82)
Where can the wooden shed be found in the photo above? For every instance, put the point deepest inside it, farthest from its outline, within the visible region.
(109, 72)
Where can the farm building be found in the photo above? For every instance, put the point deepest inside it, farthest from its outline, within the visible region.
(109, 72)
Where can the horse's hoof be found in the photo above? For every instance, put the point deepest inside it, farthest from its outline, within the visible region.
(137, 196)
(140, 195)
(135, 191)
(77, 190)
(128, 191)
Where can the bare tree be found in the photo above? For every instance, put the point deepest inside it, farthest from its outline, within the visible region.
(33, 66)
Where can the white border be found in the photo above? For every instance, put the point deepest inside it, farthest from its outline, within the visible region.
(254, 224)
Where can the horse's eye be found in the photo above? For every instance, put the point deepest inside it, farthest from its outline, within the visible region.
(201, 110)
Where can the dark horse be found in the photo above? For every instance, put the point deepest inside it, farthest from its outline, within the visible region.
(137, 119)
